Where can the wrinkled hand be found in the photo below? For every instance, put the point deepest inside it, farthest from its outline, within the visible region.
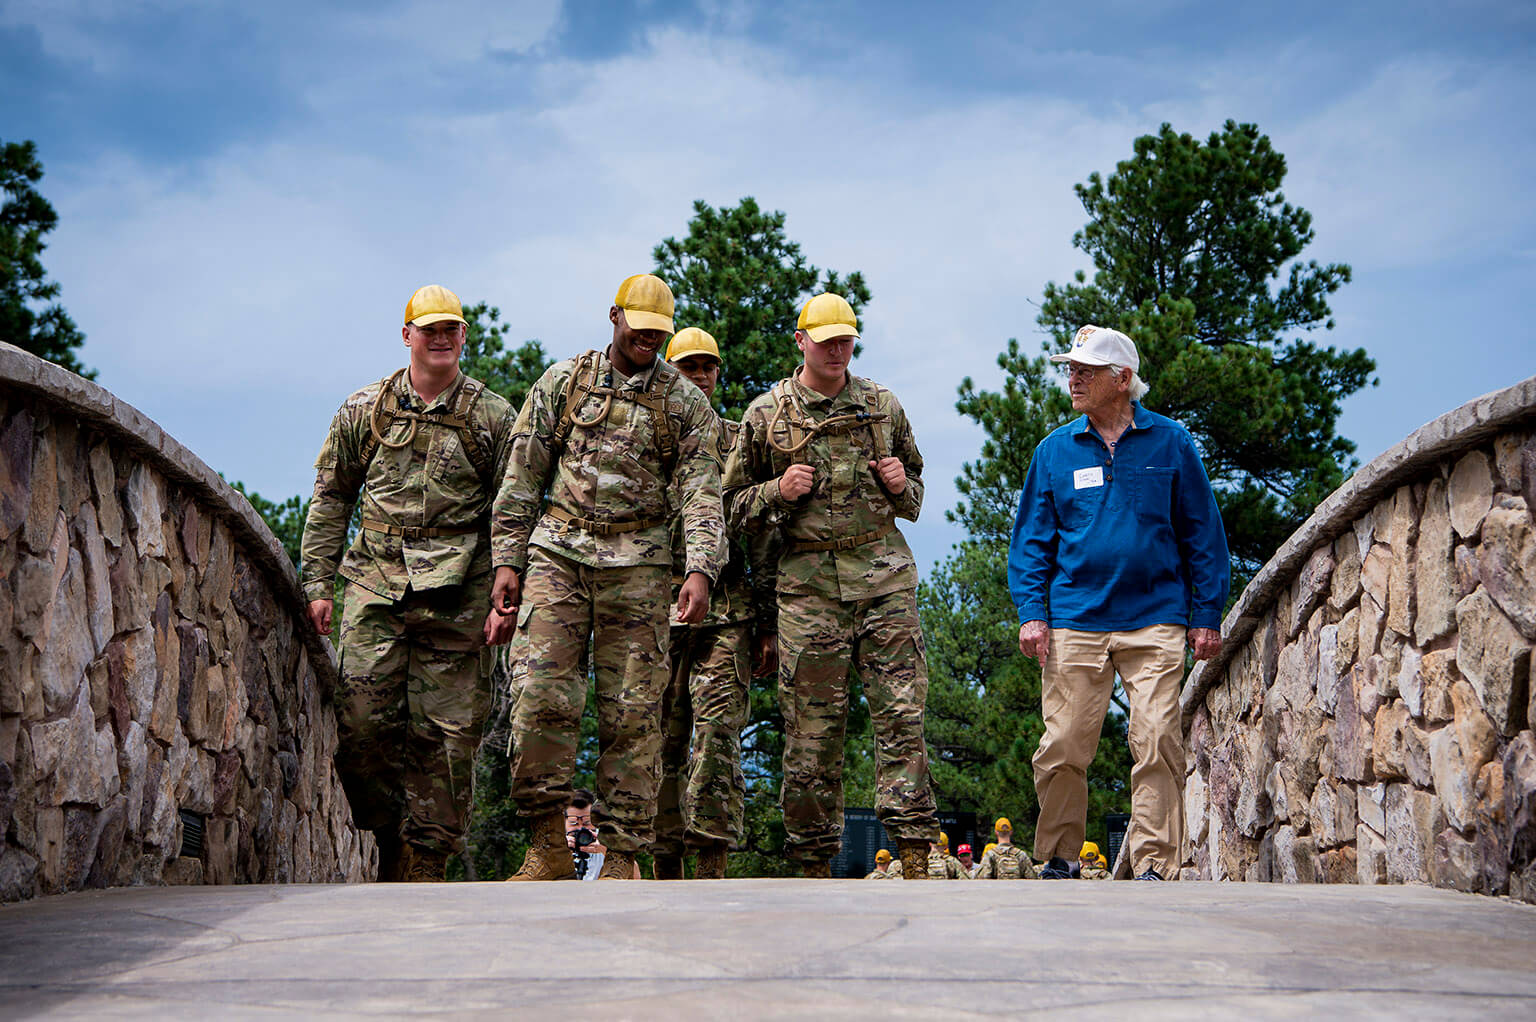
(891, 473)
(1035, 639)
(1206, 642)
(796, 481)
(765, 656)
(320, 616)
(506, 591)
(693, 598)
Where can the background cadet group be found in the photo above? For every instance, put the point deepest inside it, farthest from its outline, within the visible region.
(618, 527)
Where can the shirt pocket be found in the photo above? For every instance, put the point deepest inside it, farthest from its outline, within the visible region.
(1076, 506)
(1154, 495)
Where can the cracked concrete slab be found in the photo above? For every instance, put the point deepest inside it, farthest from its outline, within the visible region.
(770, 949)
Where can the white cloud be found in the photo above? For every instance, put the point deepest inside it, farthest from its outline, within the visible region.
(237, 302)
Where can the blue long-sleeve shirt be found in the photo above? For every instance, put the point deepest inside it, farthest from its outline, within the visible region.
(1106, 544)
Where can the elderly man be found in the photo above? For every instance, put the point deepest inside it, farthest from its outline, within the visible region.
(581, 540)
(1118, 559)
(423, 451)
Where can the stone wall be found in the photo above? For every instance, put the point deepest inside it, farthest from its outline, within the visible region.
(156, 680)
(1370, 719)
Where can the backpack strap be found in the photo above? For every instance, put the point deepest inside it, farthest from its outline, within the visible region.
(386, 411)
(582, 383)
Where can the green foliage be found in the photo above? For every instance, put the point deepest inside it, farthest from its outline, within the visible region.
(1196, 257)
(286, 520)
(509, 373)
(24, 218)
(737, 276)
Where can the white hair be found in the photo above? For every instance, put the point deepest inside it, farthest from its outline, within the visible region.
(1139, 387)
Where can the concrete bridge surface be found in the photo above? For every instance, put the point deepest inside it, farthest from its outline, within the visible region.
(770, 949)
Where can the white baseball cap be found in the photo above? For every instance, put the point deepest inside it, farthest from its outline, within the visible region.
(1100, 346)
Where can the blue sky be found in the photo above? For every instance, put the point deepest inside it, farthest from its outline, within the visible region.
(248, 194)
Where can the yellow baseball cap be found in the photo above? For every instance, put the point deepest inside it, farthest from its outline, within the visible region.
(1089, 848)
(827, 316)
(690, 340)
(882, 856)
(1002, 824)
(646, 301)
(433, 304)
(943, 839)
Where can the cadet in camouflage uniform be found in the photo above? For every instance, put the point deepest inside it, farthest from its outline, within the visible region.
(829, 460)
(424, 451)
(885, 867)
(1090, 864)
(1005, 860)
(705, 707)
(580, 538)
(942, 865)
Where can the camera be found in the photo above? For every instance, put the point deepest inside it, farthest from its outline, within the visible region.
(579, 854)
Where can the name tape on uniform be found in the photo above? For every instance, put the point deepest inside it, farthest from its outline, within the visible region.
(1087, 478)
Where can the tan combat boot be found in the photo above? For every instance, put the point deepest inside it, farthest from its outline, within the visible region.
(424, 866)
(618, 866)
(549, 857)
(666, 867)
(711, 862)
(821, 870)
(914, 859)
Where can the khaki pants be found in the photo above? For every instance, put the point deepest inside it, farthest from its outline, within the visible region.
(1079, 675)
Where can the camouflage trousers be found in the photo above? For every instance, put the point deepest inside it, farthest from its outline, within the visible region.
(819, 640)
(702, 714)
(413, 700)
(624, 612)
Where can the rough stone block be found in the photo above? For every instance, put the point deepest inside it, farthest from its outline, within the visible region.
(1376, 573)
(1339, 866)
(1438, 673)
(1328, 667)
(146, 510)
(1344, 587)
(1296, 859)
(1493, 655)
(1254, 812)
(98, 586)
(1353, 735)
(1310, 589)
(1520, 800)
(1506, 458)
(1471, 493)
(1434, 569)
(1331, 814)
(1349, 640)
(64, 646)
(183, 871)
(1416, 758)
(104, 486)
(1371, 806)
(1400, 579)
(1506, 562)
(37, 529)
(1388, 752)
(1370, 856)
(1413, 819)
(74, 762)
(1473, 727)
(1195, 808)
(1455, 778)
(1455, 863)
(1373, 619)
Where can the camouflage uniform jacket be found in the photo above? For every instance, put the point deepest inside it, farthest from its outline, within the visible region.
(1007, 862)
(1094, 873)
(945, 867)
(891, 872)
(730, 598)
(428, 482)
(612, 472)
(846, 501)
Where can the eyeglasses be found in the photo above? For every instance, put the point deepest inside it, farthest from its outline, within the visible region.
(1088, 372)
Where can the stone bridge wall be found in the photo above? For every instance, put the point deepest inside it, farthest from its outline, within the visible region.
(155, 674)
(1370, 720)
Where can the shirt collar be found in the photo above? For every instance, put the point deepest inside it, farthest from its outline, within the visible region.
(639, 381)
(850, 394)
(1140, 419)
(405, 389)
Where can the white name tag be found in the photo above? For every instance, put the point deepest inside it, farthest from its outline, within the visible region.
(1087, 478)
